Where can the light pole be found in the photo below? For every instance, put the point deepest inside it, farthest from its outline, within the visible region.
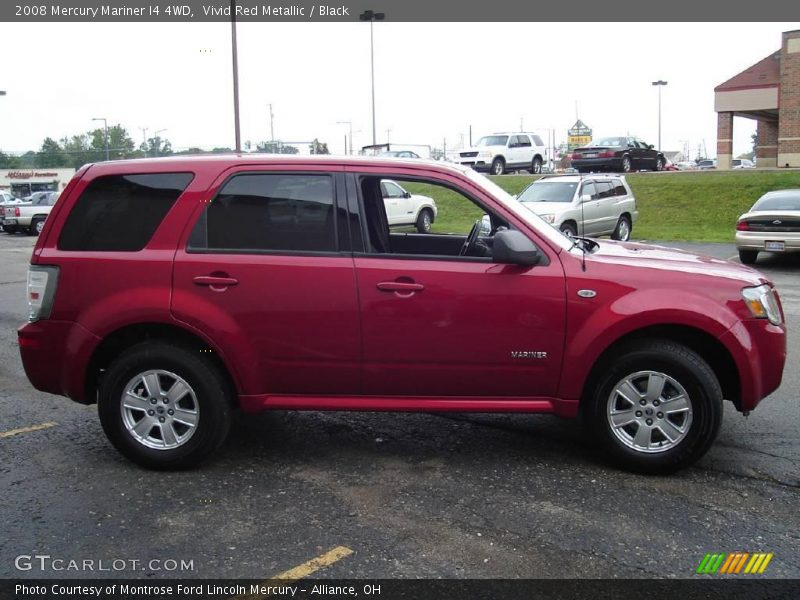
(371, 16)
(144, 140)
(350, 125)
(659, 84)
(235, 56)
(158, 140)
(105, 127)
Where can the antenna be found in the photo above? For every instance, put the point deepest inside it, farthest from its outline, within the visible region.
(583, 256)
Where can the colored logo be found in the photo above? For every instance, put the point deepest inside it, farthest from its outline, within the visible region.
(735, 563)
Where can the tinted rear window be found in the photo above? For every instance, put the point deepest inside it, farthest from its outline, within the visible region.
(121, 212)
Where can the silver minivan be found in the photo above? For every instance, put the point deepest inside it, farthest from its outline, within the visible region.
(591, 205)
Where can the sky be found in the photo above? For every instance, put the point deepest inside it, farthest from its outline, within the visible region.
(432, 80)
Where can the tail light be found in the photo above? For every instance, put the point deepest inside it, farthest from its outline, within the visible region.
(42, 282)
(743, 226)
(606, 154)
(576, 155)
(16, 211)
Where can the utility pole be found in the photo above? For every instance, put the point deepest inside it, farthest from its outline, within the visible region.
(144, 140)
(105, 126)
(235, 56)
(659, 84)
(388, 131)
(271, 124)
(372, 16)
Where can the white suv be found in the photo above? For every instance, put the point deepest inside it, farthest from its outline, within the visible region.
(502, 152)
(404, 208)
(587, 206)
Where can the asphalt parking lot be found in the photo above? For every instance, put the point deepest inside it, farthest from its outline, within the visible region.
(389, 495)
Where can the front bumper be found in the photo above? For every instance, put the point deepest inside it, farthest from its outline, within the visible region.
(478, 164)
(56, 355)
(759, 351)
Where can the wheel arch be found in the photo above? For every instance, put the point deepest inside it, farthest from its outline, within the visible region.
(703, 343)
(120, 339)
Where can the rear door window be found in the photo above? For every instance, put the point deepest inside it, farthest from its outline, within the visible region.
(272, 212)
(121, 212)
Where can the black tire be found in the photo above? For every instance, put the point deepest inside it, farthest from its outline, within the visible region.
(36, 226)
(659, 164)
(569, 229)
(210, 388)
(627, 165)
(498, 166)
(704, 398)
(536, 166)
(622, 232)
(748, 257)
(424, 220)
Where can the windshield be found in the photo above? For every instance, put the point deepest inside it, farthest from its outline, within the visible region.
(528, 216)
(549, 191)
(789, 201)
(610, 141)
(492, 140)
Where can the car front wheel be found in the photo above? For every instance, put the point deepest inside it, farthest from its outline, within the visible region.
(164, 406)
(536, 166)
(659, 164)
(498, 166)
(425, 221)
(657, 408)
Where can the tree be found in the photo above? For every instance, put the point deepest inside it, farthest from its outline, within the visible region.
(318, 147)
(51, 154)
(276, 148)
(157, 146)
(79, 151)
(9, 162)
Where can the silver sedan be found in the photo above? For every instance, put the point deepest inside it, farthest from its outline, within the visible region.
(771, 225)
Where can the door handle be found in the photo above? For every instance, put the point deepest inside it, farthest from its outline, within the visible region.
(216, 283)
(401, 288)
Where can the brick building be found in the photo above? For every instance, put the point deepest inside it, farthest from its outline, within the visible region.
(768, 92)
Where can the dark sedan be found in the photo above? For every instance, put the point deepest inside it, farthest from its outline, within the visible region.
(623, 154)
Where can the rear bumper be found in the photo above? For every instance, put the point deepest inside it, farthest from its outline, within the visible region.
(55, 355)
(760, 356)
(757, 240)
(598, 164)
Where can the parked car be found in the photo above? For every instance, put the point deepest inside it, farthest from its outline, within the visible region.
(742, 163)
(623, 154)
(404, 208)
(585, 206)
(400, 154)
(771, 225)
(29, 216)
(707, 164)
(172, 291)
(503, 152)
(7, 197)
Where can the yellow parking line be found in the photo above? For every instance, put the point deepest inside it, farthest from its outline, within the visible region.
(13, 432)
(303, 570)
(315, 564)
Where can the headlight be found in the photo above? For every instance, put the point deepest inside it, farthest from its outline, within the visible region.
(485, 154)
(763, 303)
(549, 218)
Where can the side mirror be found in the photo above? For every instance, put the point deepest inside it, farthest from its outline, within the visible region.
(586, 198)
(486, 225)
(651, 146)
(406, 194)
(513, 247)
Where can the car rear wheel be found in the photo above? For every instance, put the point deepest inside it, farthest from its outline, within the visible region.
(498, 166)
(622, 231)
(748, 257)
(425, 221)
(626, 164)
(536, 166)
(657, 407)
(36, 227)
(164, 406)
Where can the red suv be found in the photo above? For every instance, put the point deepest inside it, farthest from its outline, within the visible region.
(173, 291)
